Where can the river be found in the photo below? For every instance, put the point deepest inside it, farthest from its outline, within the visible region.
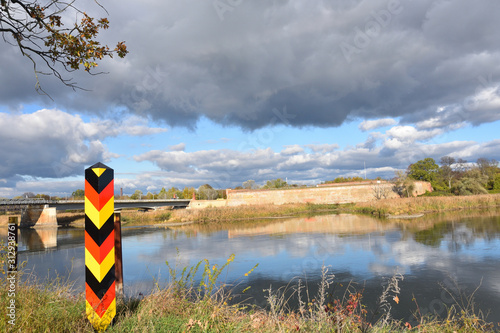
(439, 256)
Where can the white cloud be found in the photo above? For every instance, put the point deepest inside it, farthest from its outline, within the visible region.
(292, 150)
(409, 134)
(368, 125)
(178, 147)
(229, 168)
(53, 143)
(323, 148)
(48, 143)
(136, 126)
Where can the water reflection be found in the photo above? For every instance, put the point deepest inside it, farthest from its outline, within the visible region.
(38, 239)
(31, 239)
(435, 249)
(326, 224)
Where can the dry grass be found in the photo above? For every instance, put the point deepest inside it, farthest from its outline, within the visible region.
(74, 219)
(401, 206)
(241, 213)
(222, 214)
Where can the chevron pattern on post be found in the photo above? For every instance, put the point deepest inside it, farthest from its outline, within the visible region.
(99, 246)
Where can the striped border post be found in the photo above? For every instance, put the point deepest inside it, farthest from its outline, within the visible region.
(99, 246)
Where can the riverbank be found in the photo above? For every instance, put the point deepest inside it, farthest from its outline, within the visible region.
(424, 205)
(398, 207)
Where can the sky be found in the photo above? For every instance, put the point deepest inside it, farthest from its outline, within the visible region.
(225, 91)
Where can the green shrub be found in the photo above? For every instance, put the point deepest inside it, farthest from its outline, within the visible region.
(437, 194)
(163, 217)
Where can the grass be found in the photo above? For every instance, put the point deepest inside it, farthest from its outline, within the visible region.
(223, 214)
(417, 205)
(50, 307)
(219, 214)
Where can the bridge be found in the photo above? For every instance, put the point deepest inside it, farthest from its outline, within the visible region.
(79, 204)
(42, 213)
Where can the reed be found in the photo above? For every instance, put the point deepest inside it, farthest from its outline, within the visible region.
(224, 214)
(417, 205)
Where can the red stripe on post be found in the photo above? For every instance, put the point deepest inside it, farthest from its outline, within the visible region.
(99, 199)
(100, 252)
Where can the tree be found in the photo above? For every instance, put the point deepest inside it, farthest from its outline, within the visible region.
(486, 166)
(78, 194)
(137, 195)
(446, 171)
(221, 193)
(380, 191)
(250, 185)
(473, 182)
(28, 195)
(462, 166)
(207, 192)
(37, 28)
(187, 192)
(162, 194)
(489, 169)
(344, 180)
(425, 170)
(403, 185)
(496, 184)
(275, 183)
(174, 192)
(42, 196)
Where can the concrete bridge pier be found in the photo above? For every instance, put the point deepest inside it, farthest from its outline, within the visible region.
(38, 217)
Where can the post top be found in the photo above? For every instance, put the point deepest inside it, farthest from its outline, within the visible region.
(99, 165)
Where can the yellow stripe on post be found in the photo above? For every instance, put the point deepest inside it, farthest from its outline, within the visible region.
(99, 217)
(101, 323)
(99, 270)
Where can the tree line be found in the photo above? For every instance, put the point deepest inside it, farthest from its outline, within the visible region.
(451, 176)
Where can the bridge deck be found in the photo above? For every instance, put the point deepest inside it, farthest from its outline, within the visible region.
(79, 204)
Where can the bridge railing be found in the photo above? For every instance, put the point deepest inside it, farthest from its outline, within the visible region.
(14, 202)
(28, 201)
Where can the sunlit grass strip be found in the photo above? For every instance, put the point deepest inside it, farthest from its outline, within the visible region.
(427, 204)
(225, 214)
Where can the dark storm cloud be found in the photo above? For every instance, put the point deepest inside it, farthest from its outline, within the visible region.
(236, 61)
